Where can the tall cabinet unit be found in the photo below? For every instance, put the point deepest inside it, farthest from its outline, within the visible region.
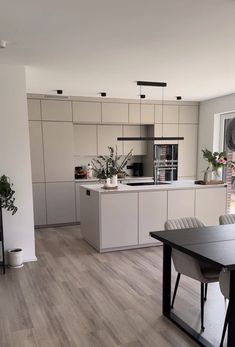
(51, 145)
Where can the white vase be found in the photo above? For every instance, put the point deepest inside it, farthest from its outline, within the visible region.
(114, 181)
(107, 183)
(217, 175)
(15, 258)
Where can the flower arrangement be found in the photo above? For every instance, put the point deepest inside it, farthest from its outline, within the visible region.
(7, 199)
(217, 160)
(106, 166)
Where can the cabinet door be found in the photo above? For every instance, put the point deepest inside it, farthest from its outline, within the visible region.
(134, 113)
(57, 110)
(158, 114)
(58, 151)
(181, 203)
(188, 114)
(170, 114)
(39, 203)
(85, 139)
(36, 151)
(60, 202)
(166, 130)
(152, 214)
(107, 137)
(114, 113)
(86, 112)
(188, 150)
(34, 109)
(210, 204)
(139, 147)
(147, 114)
(124, 209)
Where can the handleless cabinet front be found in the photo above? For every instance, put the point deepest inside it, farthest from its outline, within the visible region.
(152, 214)
(114, 113)
(56, 110)
(107, 136)
(36, 151)
(60, 202)
(58, 151)
(124, 209)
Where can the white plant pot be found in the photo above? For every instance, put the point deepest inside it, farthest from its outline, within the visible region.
(107, 183)
(15, 258)
(114, 181)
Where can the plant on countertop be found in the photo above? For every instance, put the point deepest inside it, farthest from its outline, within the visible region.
(106, 166)
(217, 160)
(7, 198)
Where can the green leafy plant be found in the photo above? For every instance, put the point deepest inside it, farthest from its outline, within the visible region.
(106, 166)
(7, 198)
(217, 160)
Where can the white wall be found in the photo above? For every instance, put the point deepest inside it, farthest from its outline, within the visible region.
(15, 158)
(209, 125)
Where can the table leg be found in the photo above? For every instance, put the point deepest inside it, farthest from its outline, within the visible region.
(166, 287)
(231, 320)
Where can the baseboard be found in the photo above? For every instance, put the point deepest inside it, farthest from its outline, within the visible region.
(30, 260)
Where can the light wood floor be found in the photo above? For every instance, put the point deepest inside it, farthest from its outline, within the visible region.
(74, 296)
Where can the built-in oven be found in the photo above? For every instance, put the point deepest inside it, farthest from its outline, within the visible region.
(165, 162)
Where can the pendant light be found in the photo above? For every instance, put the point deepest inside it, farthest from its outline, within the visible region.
(152, 138)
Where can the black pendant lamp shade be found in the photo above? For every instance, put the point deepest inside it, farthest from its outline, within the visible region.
(142, 96)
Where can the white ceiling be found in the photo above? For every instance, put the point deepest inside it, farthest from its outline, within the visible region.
(88, 46)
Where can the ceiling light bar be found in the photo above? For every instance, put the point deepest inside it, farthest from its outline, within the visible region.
(151, 84)
(169, 138)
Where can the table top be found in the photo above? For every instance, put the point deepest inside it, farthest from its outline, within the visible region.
(215, 245)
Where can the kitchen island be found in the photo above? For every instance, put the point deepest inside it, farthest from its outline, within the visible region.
(123, 218)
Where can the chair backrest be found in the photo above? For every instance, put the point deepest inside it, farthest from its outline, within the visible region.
(227, 219)
(183, 223)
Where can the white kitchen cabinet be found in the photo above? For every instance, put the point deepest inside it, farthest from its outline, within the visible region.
(39, 204)
(36, 151)
(188, 114)
(113, 208)
(170, 113)
(210, 204)
(114, 112)
(181, 203)
(188, 150)
(152, 214)
(147, 114)
(78, 197)
(60, 199)
(134, 113)
(56, 110)
(34, 109)
(158, 114)
(139, 147)
(86, 112)
(58, 151)
(85, 139)
(107, 137)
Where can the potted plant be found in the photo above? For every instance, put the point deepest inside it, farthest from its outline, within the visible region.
(108, 167)
(216, 162)
(7, 201)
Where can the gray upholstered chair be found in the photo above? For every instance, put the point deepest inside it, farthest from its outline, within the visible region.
(227, 219)
(224, 282)
(189, 266)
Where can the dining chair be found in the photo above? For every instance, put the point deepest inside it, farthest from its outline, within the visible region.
(186, 265)
(224, 278)
(227, 219)
(224, 281)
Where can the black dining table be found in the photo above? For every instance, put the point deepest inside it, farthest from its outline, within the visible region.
(213, 245)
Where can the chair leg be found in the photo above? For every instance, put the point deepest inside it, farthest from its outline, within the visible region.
(206, 287)
(202, 306)
(175, 290)
(225, 327)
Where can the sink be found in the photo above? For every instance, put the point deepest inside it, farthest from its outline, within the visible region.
(146, 183)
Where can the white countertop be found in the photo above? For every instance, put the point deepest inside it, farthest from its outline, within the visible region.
(79, 180)
(172, 186)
